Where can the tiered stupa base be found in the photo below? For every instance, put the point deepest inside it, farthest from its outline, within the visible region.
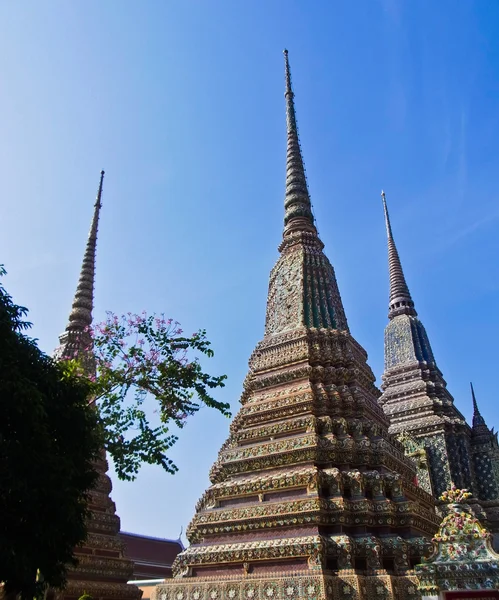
(103, 568)
(278, 585)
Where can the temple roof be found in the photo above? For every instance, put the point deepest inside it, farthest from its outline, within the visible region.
(153, 550)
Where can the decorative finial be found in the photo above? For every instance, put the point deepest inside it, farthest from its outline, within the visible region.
(475, 405)
(287, 72)
(477, 417)
(99, 191)
(297, 204)
(400, 297)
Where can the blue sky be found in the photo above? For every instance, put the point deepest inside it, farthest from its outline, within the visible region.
(182, 104)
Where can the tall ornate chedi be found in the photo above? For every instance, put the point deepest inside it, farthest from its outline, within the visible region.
(103, 569)
(310, 496)
(421, 409)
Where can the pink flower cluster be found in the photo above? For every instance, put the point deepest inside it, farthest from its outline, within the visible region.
(140, 343)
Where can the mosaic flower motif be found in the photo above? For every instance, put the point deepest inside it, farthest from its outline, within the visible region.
(196, 595)
(214, 594)
(290, 590)
(455, 495)
(180, 595)
(232, 593)
(250, 592)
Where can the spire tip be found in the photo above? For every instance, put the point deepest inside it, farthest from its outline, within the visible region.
(74, 339)
(400, 297)
(477, 417)
(298, 208)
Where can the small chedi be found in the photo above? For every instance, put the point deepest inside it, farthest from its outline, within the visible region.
(463, 558)
(310, 496)
(103, 568)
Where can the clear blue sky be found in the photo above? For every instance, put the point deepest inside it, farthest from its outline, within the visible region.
(181, 102)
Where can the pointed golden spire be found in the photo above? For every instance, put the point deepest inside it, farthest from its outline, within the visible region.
(400, 297)
(297, 204)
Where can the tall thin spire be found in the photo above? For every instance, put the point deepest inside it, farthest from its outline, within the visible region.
(83, 303)
(477, 417)
(400, 298)
(80, 318)
(297, 204)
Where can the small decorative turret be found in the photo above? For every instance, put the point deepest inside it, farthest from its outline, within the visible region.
(400, 298)
(462, 557)
(478, 420)
(485, 452)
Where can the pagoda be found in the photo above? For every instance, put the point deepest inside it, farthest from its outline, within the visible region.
(422, 410)
(103, 569)
(310, 497)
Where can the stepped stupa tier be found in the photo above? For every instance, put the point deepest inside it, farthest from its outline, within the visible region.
(310, 497)
(422, 410)
(103, 568)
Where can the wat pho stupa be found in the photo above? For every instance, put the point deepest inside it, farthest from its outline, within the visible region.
(326, 488)
(311, 497)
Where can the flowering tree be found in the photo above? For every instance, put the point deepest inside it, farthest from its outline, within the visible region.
(141, 356)
(50, 436)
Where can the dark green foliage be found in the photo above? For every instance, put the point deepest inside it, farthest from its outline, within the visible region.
(49, 437)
